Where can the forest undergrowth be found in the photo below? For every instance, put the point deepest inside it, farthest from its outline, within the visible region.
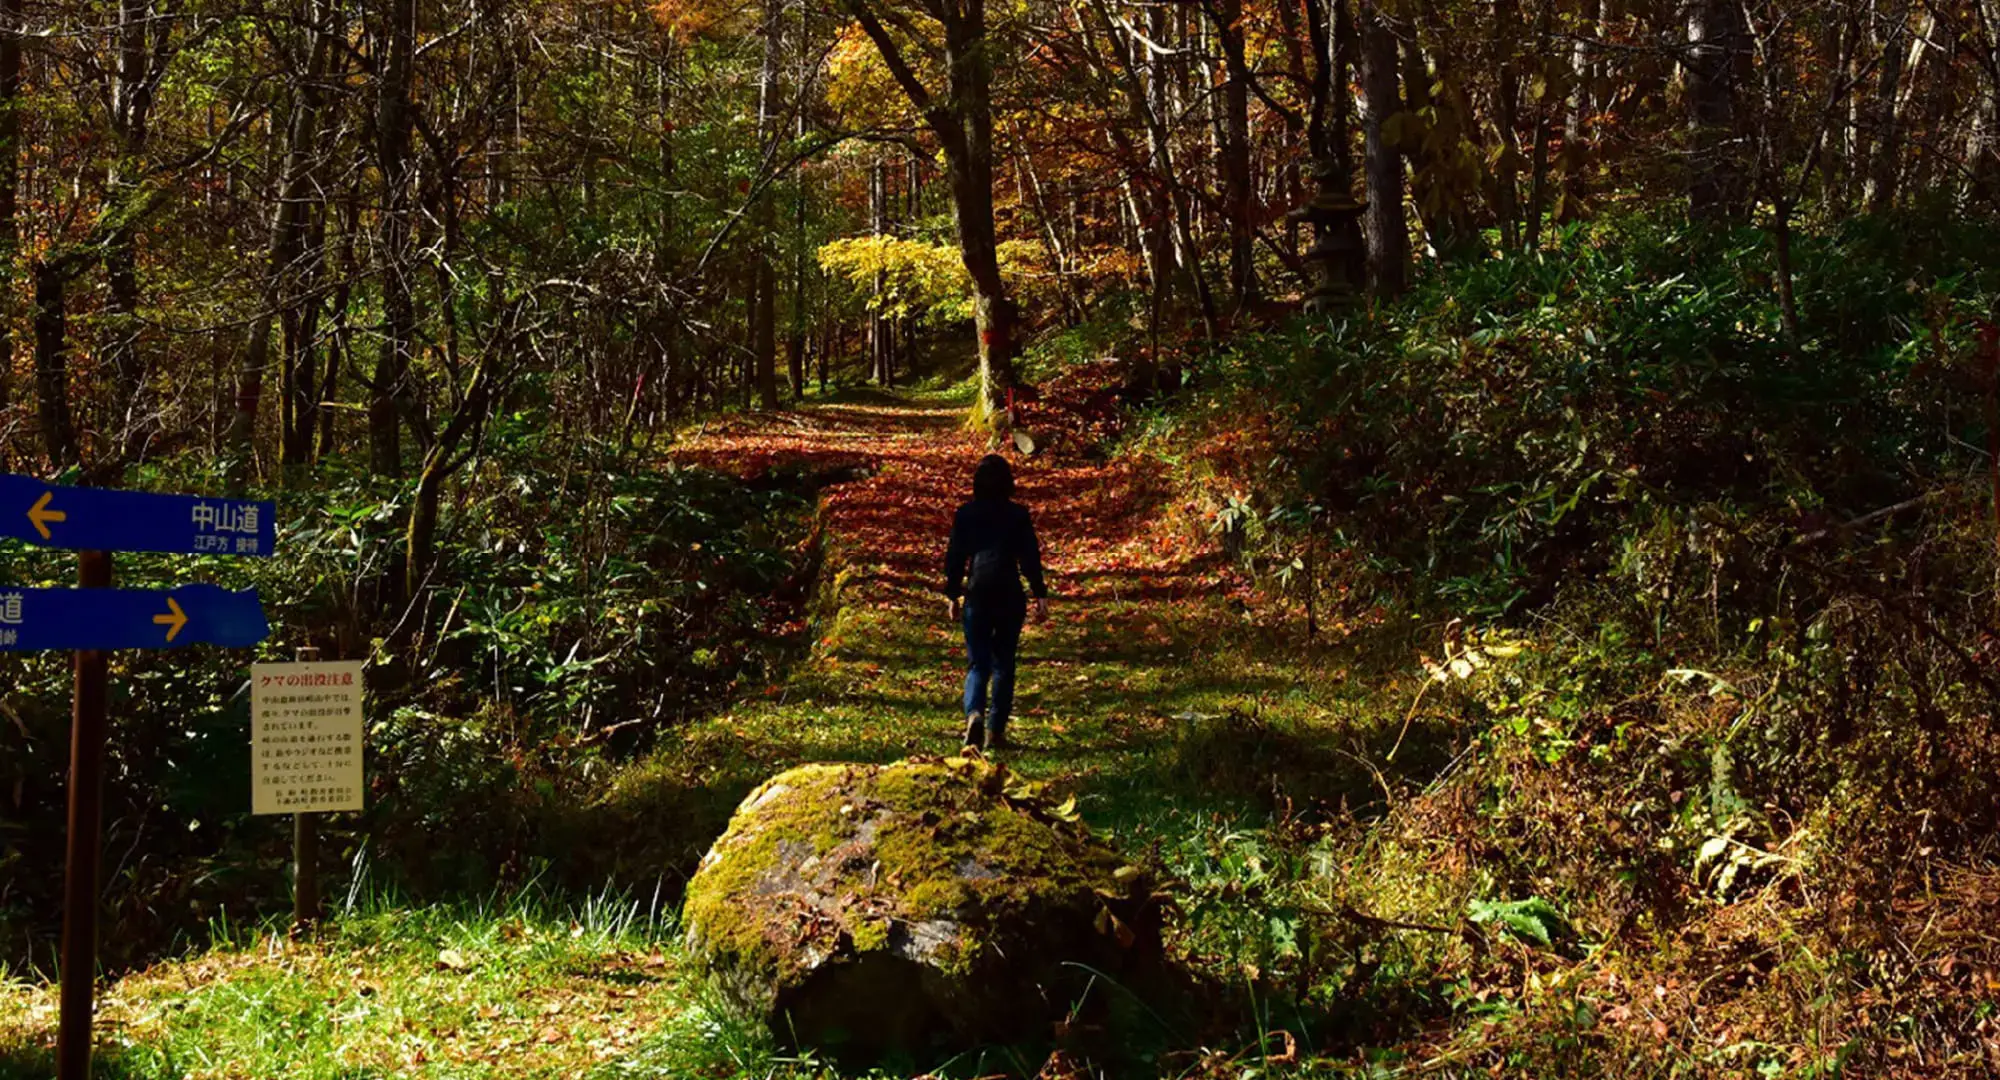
(1134, 684)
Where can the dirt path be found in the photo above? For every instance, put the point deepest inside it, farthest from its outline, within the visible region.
(1138, 599)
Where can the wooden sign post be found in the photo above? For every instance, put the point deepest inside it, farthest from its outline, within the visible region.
(94, 619)
(87, 734)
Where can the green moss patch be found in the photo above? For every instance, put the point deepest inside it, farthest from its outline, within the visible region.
(947, 880)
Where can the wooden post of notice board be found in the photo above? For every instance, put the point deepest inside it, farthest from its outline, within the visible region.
(305, 853)
(306, 735)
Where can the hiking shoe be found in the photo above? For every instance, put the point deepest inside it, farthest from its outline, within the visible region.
(975, 730)
(999, 741)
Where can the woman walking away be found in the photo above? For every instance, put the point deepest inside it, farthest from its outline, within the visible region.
(992, 545)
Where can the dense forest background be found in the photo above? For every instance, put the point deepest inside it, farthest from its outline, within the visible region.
(287, 233)
(1597, 403)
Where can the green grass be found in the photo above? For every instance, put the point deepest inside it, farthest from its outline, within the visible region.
(524, 987)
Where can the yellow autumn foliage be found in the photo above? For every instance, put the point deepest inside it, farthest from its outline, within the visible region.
(916, 279)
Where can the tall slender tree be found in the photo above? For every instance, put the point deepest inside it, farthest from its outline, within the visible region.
(141, 39)
(12, 31)
(395, 124)
(1718, 60)
(951, 37)
(764, 279)
(1239, 196)
(1384, 223)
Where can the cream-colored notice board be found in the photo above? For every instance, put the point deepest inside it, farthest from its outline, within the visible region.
(306, 737)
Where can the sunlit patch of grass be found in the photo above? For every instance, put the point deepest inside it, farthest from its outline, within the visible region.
(522, 988)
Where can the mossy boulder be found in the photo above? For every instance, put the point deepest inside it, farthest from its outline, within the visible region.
(871, 910)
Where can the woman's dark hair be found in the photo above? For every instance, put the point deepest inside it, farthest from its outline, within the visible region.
(993, 479)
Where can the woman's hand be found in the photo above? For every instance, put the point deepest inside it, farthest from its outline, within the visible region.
(956, 606)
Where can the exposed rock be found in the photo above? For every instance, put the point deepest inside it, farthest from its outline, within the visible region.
(868, 910)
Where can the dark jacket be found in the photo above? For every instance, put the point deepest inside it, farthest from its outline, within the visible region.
(994, 527)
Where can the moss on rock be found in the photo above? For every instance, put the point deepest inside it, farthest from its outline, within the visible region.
(871, 909)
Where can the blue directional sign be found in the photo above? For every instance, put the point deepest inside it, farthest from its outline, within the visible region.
(33, 620)
(97, 519)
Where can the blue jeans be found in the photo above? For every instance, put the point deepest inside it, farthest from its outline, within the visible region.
(992, 638)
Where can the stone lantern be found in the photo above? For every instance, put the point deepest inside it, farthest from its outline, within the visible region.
(1338, 251)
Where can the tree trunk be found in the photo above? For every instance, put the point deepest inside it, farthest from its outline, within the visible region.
(683, 387)
(1538, 157)
(994, 313)
(292, 270)
(1345, 43)
(121, 343)
(300, 323)
(963, 123)
(1879, 189)
(1386, 228)
(879, 342)
(11, 32)
(1239, 198)
(446, 454)
(1427, 193)
(1983, 150)
(764, 290)
(1788, 304)
(1341, 237)
(1033, 197)
(52, 363)
(242, 437)
(1576, 122)
(971, 169)
(443, 457)
(131, 113)
(1717, 58)
(1152, 104)
(1932, 99)
(1154, 216)
(795, 340)
(341, 348)
(395, 122)
(1506, 181)
(420, 541)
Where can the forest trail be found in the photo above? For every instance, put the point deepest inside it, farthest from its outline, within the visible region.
(1152, 695)
(1135, 599)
